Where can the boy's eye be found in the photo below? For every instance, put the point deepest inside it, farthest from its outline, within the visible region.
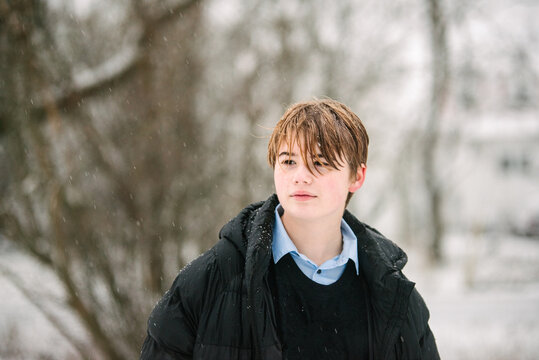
(319, 163)
(288, 162)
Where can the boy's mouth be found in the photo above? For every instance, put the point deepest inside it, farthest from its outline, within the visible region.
(303, 195)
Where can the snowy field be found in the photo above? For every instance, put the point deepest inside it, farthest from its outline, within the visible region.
(484, 302)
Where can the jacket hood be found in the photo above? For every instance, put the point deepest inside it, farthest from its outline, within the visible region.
(251, 233)
(252, 227)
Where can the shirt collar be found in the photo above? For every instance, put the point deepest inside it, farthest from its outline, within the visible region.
(282, 244)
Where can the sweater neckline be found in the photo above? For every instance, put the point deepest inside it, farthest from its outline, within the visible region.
(305, 283)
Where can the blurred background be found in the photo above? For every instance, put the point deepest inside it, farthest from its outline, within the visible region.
(132, 130)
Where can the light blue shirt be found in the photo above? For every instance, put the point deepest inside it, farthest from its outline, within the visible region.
(325, 274)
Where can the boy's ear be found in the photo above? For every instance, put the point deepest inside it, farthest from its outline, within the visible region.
(359, 178)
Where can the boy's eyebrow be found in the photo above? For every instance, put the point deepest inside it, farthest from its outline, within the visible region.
(286, 153)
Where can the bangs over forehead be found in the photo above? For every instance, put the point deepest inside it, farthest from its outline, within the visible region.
(321, 128)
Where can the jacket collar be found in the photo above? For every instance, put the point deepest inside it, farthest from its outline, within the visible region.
(381, 262)
(251, 233)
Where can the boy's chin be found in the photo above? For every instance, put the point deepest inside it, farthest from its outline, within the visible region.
(302, 212)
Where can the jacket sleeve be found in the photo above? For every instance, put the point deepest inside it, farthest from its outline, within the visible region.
(172, 326)
(418, 321)
(429, 350)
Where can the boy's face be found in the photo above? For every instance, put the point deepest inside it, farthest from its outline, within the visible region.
(307, 196)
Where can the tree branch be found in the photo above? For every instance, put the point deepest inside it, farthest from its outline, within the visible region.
(104, 76)
(88, 317)
(91, 82)
(172, 13)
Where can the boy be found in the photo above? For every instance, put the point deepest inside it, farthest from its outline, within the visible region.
(297, 276)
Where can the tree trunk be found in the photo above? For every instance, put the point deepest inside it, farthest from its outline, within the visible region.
(439, 94)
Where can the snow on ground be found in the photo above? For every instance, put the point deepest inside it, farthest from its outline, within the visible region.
(493, 325)
(484, 301)
(25, 333)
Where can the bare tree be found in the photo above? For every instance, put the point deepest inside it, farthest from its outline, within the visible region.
(103, 169)
(439, 92)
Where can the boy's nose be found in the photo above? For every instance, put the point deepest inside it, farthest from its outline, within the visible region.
(303, 175)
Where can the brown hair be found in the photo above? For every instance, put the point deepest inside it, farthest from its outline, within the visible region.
(325, 124)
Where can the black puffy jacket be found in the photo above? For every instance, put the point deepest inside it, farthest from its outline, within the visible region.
(220, 305)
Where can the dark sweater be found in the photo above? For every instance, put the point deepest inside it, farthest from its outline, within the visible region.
(320, 321)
